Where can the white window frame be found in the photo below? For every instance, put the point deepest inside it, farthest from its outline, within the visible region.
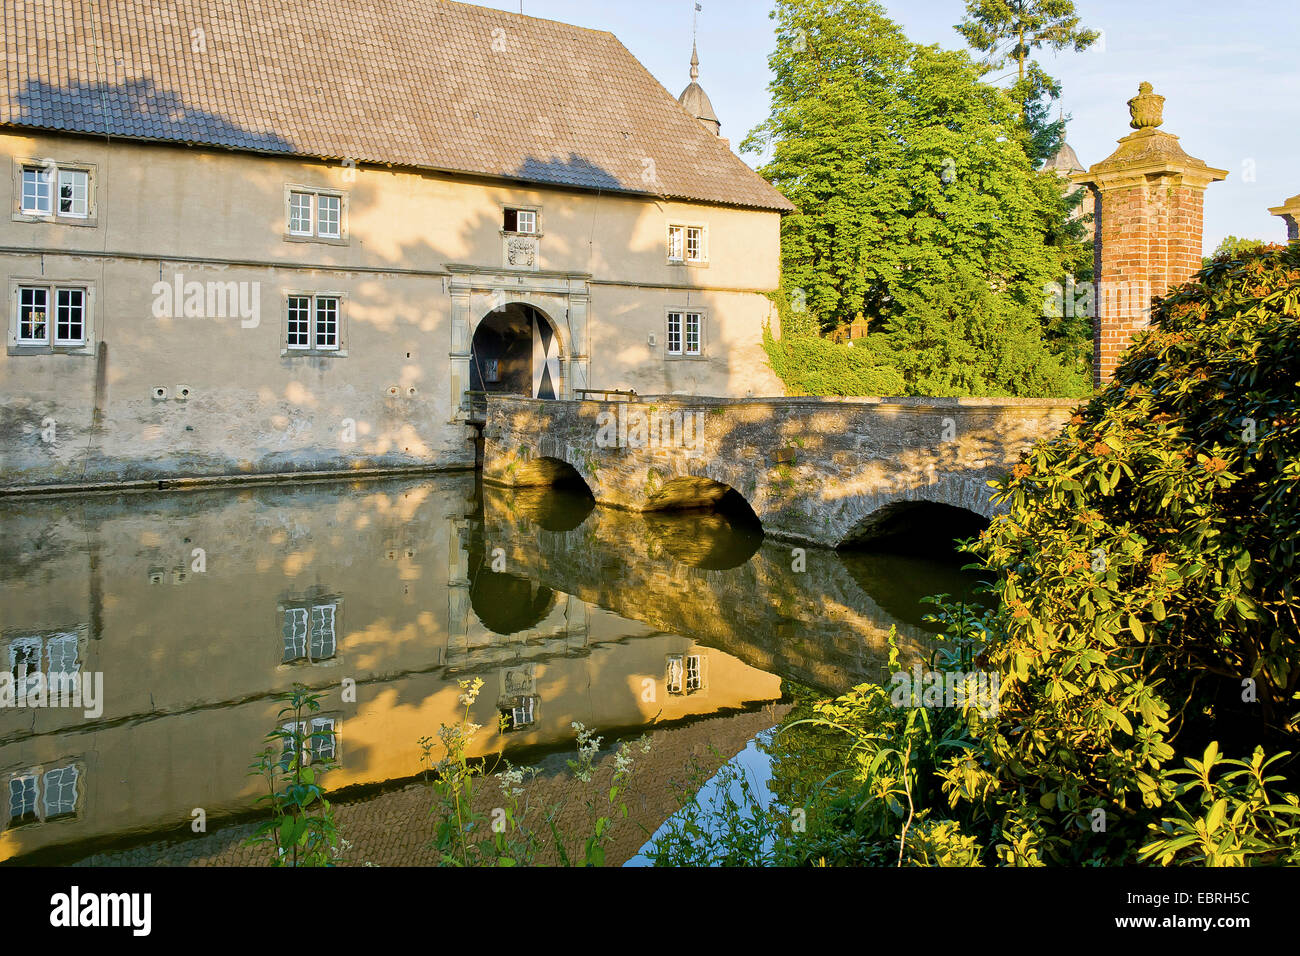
(313, 232)
(678, 333)
(314, 324)
(70, 172)
(55, 175)
(50, 342)
(534, 211)
(42, 180)
(675, 674)
(679, 243)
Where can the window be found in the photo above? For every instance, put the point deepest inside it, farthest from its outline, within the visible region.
(70, 319)
(521, 221)
(687, 244)
(685, 333)
(300, 213)
(33, 316)
(67, 328)
(675, 243)
(685, 673)
(35, 796)
(74, 193)
(37, 193)
(309, 634)
(313, 322)
(49, 190)
(315, 214)
(331, 216)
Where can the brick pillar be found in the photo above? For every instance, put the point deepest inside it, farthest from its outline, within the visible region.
(1149, 196)
(1290, 213)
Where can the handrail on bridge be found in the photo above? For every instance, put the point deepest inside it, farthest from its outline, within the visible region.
(585, 394)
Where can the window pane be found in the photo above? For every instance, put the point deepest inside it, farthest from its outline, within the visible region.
(37, 191)
(330, 214)
(511, 220)
(692, 333)
(674, 242)
(694, 244)
(674, 333)
(327, 322)
(300, 213)
(33, 322)
(74, 192)
(299, 322)
(527, 221)
(70, 320)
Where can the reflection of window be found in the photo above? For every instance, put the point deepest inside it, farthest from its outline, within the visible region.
(58, 652)
(60, 792)
(22, 800)
(33, 797)
(521, 713)
(309, 632)
(685, 673)
(25, 662)
(317, 737)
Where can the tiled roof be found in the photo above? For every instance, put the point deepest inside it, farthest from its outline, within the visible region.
(416, 83)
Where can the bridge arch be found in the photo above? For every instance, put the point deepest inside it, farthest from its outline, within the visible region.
(954, 508)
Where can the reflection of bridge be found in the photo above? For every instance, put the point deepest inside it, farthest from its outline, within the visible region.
(812, 469)
(822, 625)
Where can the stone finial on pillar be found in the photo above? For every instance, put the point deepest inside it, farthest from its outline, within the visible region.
(1149, 201)
(1290, 213)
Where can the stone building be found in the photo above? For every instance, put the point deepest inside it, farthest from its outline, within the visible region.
(242, 243)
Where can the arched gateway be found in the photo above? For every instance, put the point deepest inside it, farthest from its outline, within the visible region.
(517, 333)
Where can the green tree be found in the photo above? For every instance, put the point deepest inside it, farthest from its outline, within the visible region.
(1012, 30)
(912, 188)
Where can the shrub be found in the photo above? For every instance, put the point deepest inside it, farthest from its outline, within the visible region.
(1147, 616)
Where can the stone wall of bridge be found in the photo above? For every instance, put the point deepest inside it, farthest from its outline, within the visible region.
(816, 470)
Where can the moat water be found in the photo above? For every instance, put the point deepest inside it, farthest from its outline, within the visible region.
(195, 609)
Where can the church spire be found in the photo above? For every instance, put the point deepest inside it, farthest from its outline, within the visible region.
(695, 61)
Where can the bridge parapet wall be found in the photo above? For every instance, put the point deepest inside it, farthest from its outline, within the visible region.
(817, 470)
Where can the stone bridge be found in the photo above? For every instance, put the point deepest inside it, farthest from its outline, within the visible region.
(824, 471)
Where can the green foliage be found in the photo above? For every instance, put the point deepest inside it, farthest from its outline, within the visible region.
(516, 832)
(1147, 619)
(1012, 30)
(1233, 247)
(913, 187)
(301, 831)
(811, 365)
(733, 826)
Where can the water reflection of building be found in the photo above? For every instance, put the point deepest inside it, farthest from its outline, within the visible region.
(315, 585)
